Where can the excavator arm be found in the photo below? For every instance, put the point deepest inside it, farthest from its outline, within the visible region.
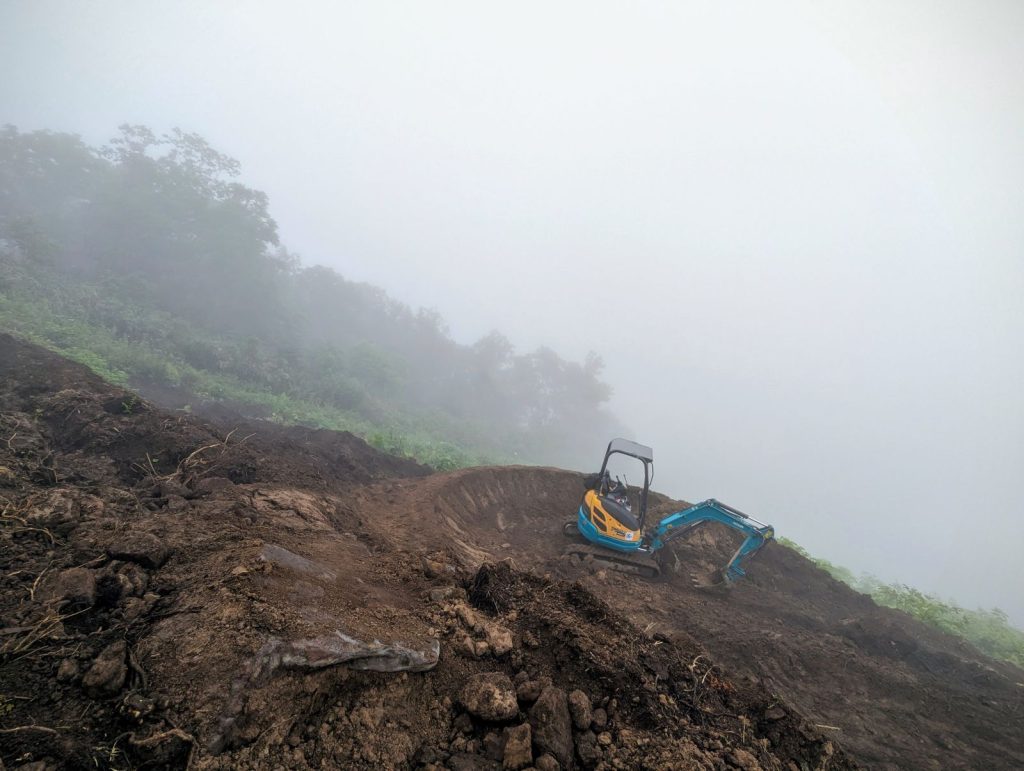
(680, 523)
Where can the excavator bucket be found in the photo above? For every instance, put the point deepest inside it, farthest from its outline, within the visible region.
(682, 522)
(701, 576)
(709, 579)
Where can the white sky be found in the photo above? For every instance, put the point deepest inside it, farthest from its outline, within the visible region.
(794, 230)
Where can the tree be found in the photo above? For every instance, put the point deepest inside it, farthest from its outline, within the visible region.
(165, 248)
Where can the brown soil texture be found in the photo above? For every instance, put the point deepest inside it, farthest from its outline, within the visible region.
(176, 593)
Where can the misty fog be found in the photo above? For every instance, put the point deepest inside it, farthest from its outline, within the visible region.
(792, 231)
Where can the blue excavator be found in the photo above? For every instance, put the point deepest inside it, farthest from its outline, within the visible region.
(611, 521)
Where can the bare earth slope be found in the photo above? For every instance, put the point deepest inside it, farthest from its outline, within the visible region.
(181, 594)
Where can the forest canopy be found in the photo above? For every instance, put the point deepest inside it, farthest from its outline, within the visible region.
(147, 259)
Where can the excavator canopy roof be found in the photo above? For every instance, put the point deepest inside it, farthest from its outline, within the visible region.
(627, 447)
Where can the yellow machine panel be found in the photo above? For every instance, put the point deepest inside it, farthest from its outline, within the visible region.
(606, 523)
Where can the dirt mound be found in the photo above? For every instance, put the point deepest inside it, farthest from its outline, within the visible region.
(894, 692)
(85, 417)
(179, 594)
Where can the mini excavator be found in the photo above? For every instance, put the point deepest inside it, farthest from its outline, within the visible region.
(611, 519)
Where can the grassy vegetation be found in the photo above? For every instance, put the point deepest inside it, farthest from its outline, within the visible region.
(988, 630)
(62, 320)
(147, 260)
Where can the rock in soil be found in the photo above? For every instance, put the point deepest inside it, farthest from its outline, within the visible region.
(587, 750)
(518, 747)
(143, 548)
(579, 709)
(552, 725)
(494, 745)
(490, 696)
(529, 691)
(547, 763)
(463, 723)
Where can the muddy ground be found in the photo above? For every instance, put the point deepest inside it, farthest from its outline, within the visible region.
(177, 593)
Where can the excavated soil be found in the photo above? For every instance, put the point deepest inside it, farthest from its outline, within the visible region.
(176, 593)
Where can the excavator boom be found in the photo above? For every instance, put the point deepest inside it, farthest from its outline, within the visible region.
(681, 522)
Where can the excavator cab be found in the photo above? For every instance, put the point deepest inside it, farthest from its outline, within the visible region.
(611, 514)
(617, 491)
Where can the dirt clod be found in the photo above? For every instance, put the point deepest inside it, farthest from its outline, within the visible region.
(212, 485)
(142, 548)
(67, 671)
(498, 638)
(744, 760)
(587, 749)
(75, 586)
(107, 674)
(579, 709)
(547, 762)
(490, 696)
(552, 725)
(530, 690)
(518, 751)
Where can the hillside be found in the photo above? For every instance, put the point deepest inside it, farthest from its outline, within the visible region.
(180, 593)
(147, 260)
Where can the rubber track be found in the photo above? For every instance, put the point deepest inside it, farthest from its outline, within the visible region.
(640, 566)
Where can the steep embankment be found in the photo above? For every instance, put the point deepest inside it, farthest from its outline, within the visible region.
(175, 595)
(886, 687)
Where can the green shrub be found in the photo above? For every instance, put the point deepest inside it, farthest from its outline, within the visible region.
(98, 365)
